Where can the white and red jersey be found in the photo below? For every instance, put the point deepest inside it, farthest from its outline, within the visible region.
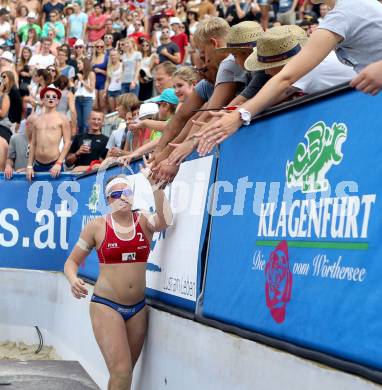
(114, 250)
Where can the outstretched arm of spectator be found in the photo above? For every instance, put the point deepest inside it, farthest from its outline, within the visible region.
(178, 121)
(222, 95)
(224, 125)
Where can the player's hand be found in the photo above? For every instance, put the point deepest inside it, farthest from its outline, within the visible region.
(147, 173)
(78, 289)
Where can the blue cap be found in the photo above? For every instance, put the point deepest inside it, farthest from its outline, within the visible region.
(167, 96)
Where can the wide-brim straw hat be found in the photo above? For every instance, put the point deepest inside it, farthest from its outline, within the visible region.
(297, 31)
(275, 48)
(241, 37)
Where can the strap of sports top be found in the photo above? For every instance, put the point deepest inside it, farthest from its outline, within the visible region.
(108, 224)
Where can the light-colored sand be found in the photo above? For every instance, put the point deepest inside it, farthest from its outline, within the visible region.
(10, 350)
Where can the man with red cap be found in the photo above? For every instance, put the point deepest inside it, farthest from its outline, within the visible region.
(47, 130)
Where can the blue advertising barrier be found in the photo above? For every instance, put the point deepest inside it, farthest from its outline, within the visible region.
(34, 221)
(296, 234)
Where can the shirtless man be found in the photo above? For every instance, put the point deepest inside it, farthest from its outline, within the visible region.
(47, 130)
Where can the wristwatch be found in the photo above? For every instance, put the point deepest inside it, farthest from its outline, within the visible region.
(245, 116)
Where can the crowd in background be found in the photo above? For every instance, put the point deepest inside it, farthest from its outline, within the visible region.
(143, 60)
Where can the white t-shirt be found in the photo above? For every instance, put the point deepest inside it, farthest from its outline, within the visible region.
(360, 24)
(116, 137)
(329, 73)
(4, 28)
(229, 71)
(128, 66)
(42, 62)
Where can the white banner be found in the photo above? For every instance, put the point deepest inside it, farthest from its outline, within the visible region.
(172, 265)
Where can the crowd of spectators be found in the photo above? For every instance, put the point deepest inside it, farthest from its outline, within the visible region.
(143, 60)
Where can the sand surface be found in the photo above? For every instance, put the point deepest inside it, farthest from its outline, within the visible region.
(10, 350)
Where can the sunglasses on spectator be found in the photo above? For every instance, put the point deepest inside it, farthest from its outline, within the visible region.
(100, 47)
(79, 47)
(52, 97)
(118, 194)
(52, 70)
(3, 76)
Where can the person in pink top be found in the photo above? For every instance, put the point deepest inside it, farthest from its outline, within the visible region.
(96, 24)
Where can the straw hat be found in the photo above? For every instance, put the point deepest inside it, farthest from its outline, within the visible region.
(297, 31)
(272, 50)
(242, 36)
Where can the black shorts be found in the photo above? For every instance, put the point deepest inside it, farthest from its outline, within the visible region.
(5, 133)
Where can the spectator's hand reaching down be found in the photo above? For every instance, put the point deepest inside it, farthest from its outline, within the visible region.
(369, 80)
(182, 150)
(165, 172)
(220, 128)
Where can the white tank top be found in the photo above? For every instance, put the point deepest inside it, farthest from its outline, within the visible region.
(83, 92)
(115, 79)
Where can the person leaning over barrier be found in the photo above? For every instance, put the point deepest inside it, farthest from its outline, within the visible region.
(241, 40)
(122, 239)
(351, 28)
(222, 79)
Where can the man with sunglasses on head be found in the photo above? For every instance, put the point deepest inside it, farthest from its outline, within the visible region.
(88, 148)
(47, 131)
(115, 34)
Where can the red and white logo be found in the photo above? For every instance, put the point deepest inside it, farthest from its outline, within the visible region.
(278, 285)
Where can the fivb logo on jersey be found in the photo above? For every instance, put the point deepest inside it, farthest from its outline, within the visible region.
(340, 217)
